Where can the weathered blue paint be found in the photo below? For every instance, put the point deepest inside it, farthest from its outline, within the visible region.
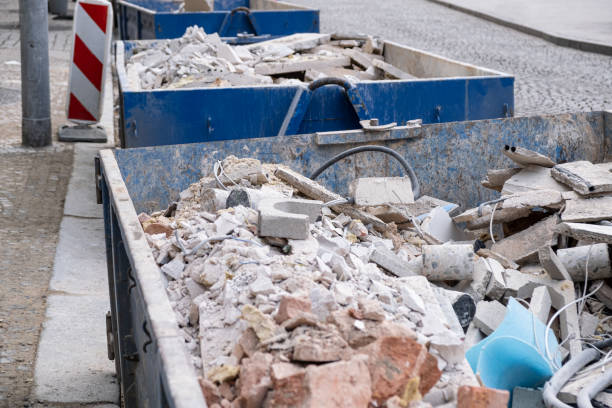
(160, 117)
(449, 159)
(157, 19)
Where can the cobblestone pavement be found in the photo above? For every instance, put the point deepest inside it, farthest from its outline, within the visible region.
(549, 78)
(33, 187)
(32, 191)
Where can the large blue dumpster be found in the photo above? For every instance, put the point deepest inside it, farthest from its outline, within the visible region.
(234, 20)
(444, 91)
(449, 160)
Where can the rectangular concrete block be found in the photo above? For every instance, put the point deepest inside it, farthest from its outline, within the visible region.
(372, 191)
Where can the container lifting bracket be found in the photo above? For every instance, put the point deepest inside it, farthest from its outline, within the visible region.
(301, 101)
(230, 16)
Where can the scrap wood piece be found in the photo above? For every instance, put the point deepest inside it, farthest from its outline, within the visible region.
(391, 70)
(586, 232)
(316, 191)
(581, 209)
(524, 245)
(583, 177)
(526, 157)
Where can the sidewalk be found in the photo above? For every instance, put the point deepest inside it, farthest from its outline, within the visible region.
(585, 25)
(54, 293)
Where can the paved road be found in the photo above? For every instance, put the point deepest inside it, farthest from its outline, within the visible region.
(549, 78)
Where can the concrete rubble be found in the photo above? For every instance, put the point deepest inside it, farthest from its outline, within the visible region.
(201, 60)
(365, 308)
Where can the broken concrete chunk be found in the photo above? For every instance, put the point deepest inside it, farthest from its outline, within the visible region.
(372, 191)
(604, 294)
(532, 199)
(290, 307)
(316, 191)
(344, 383)
(223, 373)
(587, 209)
(448, 262)
(489, 316)
(532, 178)
(287, 218)
(588, 324)
(393, 263)
(254, 379)
(496, 178)
(262, 324)
(479, 283)
(575, 261)
(174, 269)
(392, 361)
(583, 177)
(523, 246)
(561, 294)
(440, 225)
(586, 232)
(540, 303)
(526, 157)
(317, 346)
(481, 397)
(552, 264)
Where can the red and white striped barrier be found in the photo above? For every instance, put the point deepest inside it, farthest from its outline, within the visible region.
(92, 33)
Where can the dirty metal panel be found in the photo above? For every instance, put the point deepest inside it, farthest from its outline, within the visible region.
(449, 159)
(151, 362)
(195, 115)
(163, 22)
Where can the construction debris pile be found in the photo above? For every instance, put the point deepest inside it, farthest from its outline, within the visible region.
(290, 296)
(202, 60)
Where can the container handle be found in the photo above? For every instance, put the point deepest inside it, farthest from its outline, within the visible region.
(301, 101)
(230, 16)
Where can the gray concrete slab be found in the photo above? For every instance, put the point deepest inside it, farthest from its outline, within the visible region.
(585, 25)
(72, 364)
(80, 258)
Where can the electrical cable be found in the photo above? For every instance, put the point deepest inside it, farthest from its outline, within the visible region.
(552, 319)
(416, 189)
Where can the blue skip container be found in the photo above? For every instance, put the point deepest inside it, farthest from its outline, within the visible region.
(443, 90)
(237, 21)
